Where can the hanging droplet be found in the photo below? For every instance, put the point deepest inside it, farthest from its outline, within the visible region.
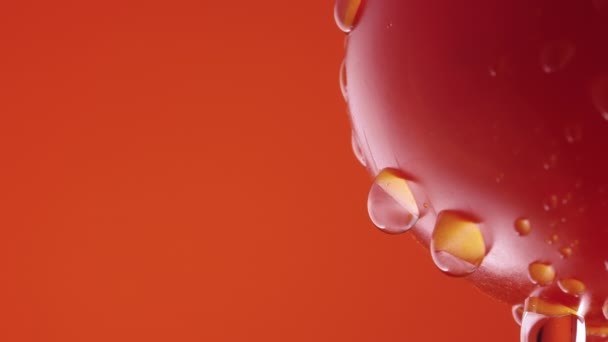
(571, 286)
(357, 150)
(518, 313)
(457, 244)
(565, 252)
(555, 55)
(391, 203)
(536, 327)
(343, 80)
(541, 273)
(522, 226)
(346, 13)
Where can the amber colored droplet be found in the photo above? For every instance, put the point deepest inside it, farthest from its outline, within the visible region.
(547, 308)
(541, 273)
(522, 226)
(346, 13)
(457, 244)
(571, 286)
(391, 203)
(566, 252)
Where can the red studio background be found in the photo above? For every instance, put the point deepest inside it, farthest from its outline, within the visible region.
(182, 171)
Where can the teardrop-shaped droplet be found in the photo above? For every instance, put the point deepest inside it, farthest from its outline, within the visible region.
(541, 273)
(522, 226)
(571, 286)
(346, 13)
(357, 150)
(457, 244)
(391, 203)
(555, 55)
(518, 313)
(536, 327)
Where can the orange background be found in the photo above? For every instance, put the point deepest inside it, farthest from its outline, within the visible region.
(181, 171)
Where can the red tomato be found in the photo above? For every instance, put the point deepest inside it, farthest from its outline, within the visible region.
(494, 114)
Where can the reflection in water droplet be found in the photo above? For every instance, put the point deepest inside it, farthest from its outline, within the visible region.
(391, 203)
(541, 273)
(555, 55)
(357, 151)
(536, 327)
(522, 226)
(518, 313)
(343, 80)
(571, 286)
(599, 96)
(346, 13)
(565, 252)
(457, 244)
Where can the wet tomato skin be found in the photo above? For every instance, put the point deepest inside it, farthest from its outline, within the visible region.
(497, 108)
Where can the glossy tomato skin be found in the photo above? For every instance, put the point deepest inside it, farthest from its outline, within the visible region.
(496, 108)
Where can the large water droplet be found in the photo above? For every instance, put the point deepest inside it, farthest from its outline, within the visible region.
(522, 226)
(346, 13)
(343, 80)
(391, 203)
(541, 273)
(571, 286)
(357, 150)
(555, 55)
(457, 244)
(536, 327)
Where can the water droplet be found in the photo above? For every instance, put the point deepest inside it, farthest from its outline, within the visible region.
(566, 252)
(547, 308)
(550, 203)
(343, 80)
(555, 55)
(552, 239)
(571, 286)
(518, 313)
(541, 273)
(391, 203)
(574, 134)
(357, 151)
(550, 163)
(457, 244)
(536, 327)
(346, 13)
(522, 226)
(599, 95)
